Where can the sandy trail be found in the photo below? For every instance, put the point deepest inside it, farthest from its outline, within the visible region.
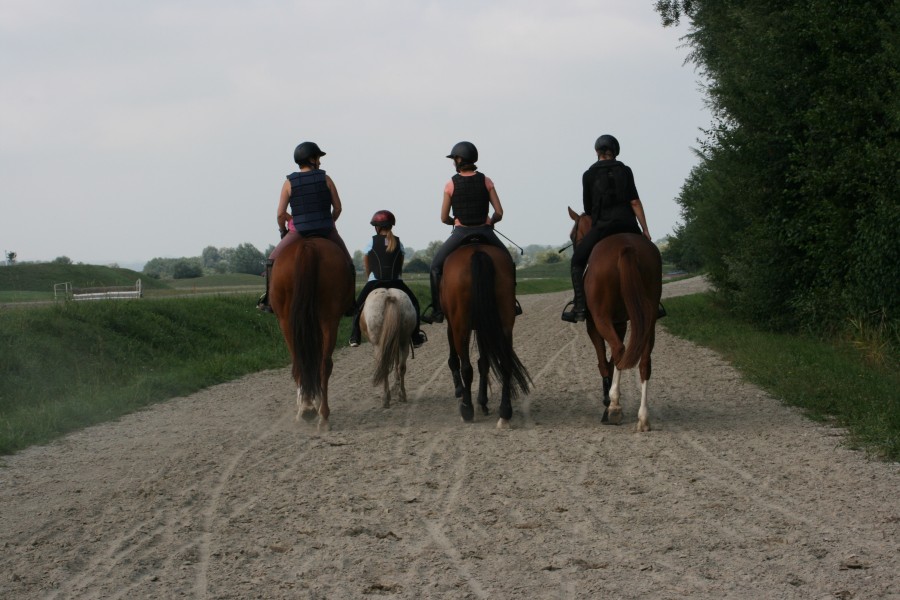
(223, 495)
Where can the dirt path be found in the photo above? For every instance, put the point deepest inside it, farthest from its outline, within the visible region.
(222, 495)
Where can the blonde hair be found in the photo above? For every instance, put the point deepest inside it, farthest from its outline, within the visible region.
(391, 238)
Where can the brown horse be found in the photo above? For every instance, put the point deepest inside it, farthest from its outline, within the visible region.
(622, 284)
(311, 288)
(478, 294)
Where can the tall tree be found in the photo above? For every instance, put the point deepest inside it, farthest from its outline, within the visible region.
(794, 207)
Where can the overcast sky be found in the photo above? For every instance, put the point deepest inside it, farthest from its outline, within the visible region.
(134, 129)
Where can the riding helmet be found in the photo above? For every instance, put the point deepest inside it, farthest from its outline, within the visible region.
(466, 151)
(607, 142)
(383, 218)
(306, 151)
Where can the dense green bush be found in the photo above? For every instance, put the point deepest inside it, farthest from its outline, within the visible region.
(794, 209)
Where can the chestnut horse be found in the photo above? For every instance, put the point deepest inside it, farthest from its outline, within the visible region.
(388, 319)
(622, 284)
(311, 288)
(478, 294)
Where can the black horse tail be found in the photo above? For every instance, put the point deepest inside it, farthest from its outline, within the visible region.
(493, 343)
(391, 342)
(305, 326)
(638, 305)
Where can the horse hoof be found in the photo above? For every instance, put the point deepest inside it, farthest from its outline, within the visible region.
(309, 414)
(605, 417)
(615, 417)
(459, 392)
(502, 423)
(324, 426)
(642, 427)
(485, 410)
(467, 413)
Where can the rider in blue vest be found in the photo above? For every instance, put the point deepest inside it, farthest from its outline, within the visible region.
(383, 262)
(469, 194)
(315, 206)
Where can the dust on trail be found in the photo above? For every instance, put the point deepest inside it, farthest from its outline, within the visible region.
(223, 495)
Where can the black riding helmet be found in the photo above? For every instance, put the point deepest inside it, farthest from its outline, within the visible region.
(306, 151)
(607, 142)
(466, 151)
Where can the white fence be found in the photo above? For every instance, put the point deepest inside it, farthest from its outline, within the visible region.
(121, 292)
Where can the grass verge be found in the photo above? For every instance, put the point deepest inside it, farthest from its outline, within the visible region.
(73, 364)
(831, 382)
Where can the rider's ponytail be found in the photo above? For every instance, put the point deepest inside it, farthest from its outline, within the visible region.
(391, 238)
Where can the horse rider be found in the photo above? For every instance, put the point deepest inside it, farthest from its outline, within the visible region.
(469, 194)
(611, 199)
(383, 262)
(315, 206)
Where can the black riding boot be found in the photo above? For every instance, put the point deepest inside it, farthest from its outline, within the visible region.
(437, 315)
(355, 333)
(579, 311)
(263, 302)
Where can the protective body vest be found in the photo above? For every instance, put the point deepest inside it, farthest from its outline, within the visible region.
(384, 264)
(609, 193)
(470, 200)
(310, 201)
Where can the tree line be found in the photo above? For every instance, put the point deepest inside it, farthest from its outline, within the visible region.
(794, 207)
(246, 258)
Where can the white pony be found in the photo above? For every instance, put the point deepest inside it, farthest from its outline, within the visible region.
(388, 320)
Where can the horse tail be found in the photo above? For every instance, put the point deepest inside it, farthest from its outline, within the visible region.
(305, 327)
(390, 344)
(493, 343)
(638, 305)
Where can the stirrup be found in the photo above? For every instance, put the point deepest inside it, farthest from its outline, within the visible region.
(263, 304)
(418, 340)
(518, 308)
(574, 315)
(661, 311)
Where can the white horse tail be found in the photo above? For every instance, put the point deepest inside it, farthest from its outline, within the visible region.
(391, 340)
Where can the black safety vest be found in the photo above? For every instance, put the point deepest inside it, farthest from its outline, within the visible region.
(310, 201)
(383, 264)
(609, 193)
(470, 200)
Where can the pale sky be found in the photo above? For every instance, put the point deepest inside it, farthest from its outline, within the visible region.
(134, 129)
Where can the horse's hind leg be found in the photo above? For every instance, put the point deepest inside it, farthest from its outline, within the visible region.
(386, 394)
(505, 404)
(483, 376)
(453, 363)
(643, 423)
(305, 407)
(401, 376)
(615, 409)
(324, 411)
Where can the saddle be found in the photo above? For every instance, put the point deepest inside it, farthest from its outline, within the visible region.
(473, 238)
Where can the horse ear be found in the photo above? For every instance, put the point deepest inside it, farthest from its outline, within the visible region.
(572, 213)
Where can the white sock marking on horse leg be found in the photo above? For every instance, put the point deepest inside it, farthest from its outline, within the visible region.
(643, 411)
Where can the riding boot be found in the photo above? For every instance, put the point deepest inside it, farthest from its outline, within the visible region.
(579, 310)
(352, 312)
(355, 333)
(518, 310)
(437, 315)
(263, 302)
